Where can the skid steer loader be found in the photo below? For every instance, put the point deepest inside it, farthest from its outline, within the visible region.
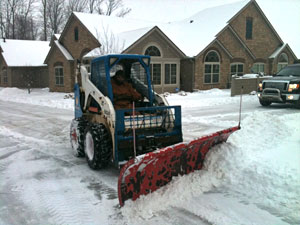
(145, 141)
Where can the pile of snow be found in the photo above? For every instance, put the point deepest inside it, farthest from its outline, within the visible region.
(242, 182)
(39, 97)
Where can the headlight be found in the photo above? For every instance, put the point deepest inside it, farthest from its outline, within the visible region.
(260, 86)
(293, 87)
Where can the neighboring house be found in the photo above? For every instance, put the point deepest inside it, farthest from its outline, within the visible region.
(201, 52)
(22, 63)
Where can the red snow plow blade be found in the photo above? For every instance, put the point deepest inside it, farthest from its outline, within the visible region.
(148, 172)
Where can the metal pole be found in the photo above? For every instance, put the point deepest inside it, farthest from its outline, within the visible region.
(133, 130)
(240, 114)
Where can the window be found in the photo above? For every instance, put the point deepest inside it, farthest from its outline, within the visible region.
(212, 68)
(152, 51)
(282, 61)
(59, 75)
(249, 27)
(76, 34)
(237, 68)
(155, 70)
(5, 77)
(170, 73)
(258, 68)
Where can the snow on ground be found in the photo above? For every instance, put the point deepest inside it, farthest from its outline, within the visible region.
(38, 97)
(254, 178)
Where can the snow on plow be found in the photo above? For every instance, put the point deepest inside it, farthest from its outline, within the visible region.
(149, 172)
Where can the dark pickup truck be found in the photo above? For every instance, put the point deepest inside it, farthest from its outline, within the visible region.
(284, 87)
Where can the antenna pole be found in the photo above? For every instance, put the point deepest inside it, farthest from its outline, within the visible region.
(240, 113)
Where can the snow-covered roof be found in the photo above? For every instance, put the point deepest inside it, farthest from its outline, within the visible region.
(277, 51)
(193, 34)
(24, 52)
(63, 51)
(106, 25)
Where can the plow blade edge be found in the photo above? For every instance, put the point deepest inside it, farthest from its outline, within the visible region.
(148, 172)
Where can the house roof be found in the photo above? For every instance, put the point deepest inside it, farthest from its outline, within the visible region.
(18, 53)
(194, 34)
(64, 51)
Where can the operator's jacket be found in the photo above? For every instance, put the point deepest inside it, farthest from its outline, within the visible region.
(124, 95)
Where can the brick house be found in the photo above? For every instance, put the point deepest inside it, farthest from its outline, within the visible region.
(22, 63)
(196, 53)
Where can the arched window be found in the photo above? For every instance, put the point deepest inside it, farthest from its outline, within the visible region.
(212, 68)
(76, 34)
(152, 51)
(283, 61)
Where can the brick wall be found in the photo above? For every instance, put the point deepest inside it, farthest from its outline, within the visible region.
(57, 58)
(36, 76)
(77, 49)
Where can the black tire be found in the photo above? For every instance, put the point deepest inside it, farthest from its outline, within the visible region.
(97, 146)
(264, 103)
(77, 129)
(298, 104)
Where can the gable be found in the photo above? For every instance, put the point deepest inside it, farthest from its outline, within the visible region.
(264, 38)
(157, 38)
(85, 38)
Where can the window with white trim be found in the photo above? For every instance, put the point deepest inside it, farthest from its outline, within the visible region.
(5, 76)
(59, 75)
(237, 69)
(212, 68)
(170, 73)
(283, 61)
(155, 71)
(258, 68)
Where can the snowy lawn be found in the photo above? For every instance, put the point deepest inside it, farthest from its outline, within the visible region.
(254, 178)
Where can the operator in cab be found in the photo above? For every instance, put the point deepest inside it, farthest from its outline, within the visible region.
(123, 91)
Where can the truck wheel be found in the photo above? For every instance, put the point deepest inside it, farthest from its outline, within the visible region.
(264, 103)
(298, 104)
(77, 136)
(97, 146)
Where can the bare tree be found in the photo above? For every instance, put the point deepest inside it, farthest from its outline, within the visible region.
(76, 6)
(43, 11)
(24, 20)
(109, 7)
(110, 43)
(56, 12)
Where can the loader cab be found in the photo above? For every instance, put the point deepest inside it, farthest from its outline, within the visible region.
(136, 70)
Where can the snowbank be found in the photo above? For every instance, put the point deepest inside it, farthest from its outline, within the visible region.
(252, 179)
(41, 97)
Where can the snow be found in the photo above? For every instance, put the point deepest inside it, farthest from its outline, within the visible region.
(253, 178)
(24, 52)
(38, 97)
(63, 51)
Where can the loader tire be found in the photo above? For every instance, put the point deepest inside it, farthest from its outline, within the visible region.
(77, 129)
(97, 146)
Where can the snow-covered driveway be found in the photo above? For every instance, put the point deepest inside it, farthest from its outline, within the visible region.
(254, 178)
